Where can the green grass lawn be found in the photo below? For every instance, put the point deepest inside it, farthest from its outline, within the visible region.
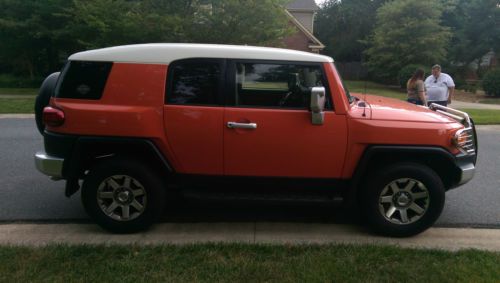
(375, 88)
(484, 116)
(244, 263)
(17, 105)
(19, 91)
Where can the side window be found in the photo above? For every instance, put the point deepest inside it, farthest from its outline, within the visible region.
(194, 82)
(83, 80)
(276, 85)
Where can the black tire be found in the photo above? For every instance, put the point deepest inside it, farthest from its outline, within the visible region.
(376, 199)
(46, 91)
(142, 176)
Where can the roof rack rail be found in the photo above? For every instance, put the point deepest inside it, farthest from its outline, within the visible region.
(458, 115)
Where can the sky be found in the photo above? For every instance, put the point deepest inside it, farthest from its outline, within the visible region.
(319, 2)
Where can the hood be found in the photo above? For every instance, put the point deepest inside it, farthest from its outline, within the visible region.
(384, 108)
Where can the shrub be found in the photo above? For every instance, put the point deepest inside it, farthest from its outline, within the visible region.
(491, 82)
(406, 72)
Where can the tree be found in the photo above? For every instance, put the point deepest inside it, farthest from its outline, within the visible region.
(103, 23)
(253, 22)
(37, 36)
(31, 40)
(342, 24)
(406, 32)
(476, 29)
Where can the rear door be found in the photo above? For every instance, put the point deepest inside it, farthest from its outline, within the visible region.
(193, 115)
(267, 122)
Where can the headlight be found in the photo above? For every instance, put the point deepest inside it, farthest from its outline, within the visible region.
(464, 141)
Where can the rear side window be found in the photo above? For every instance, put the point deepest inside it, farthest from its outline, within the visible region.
(83, 80)
(195, 82)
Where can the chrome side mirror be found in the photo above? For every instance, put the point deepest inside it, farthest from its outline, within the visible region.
(318, 99)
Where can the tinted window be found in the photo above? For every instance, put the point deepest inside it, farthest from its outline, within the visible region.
(194, 82)
(83, 80)
(276, 85)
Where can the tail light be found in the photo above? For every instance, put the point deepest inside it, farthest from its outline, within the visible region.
(53, 117)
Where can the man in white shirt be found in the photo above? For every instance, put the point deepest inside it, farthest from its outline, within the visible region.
(439, 87)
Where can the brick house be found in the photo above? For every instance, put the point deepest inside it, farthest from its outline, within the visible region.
(301, 14)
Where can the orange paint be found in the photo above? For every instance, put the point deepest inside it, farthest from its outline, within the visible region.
(196, 139)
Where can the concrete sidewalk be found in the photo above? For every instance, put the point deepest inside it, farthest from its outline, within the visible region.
(261, 233)
(470, 105)
(17, 116)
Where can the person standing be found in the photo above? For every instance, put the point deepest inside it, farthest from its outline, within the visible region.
(440, 87)
(415, 88)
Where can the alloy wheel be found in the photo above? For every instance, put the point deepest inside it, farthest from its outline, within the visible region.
(404, 201)
(122, 197)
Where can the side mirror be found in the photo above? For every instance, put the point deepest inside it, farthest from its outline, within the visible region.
(318, 99)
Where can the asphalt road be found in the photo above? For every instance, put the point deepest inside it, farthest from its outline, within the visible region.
(27, 195)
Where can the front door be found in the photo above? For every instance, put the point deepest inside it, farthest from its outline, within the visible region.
(267, 125)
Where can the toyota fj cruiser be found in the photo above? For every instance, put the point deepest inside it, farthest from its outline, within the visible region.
(130, 123)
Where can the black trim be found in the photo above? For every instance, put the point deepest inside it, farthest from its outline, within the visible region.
(59, 145)
(254, 181)
(425, 154)
(79, 152)
(276, 188)
(395, 149)
(98, 145)
(476, 145)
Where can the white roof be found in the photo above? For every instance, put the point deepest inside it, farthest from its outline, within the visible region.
(164, 53)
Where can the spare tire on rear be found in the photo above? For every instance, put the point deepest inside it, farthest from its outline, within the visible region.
(46, 91)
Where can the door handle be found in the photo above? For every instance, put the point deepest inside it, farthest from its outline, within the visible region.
(234, 125)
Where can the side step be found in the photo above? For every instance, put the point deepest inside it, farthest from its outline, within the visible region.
(280, 196)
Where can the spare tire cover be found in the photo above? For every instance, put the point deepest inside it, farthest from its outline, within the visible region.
(46, 91)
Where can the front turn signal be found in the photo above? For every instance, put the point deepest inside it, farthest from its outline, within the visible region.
(464, 141)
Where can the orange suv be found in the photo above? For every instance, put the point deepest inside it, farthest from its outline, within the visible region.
(128, 124)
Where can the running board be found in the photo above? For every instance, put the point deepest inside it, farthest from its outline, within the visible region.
(260, 196)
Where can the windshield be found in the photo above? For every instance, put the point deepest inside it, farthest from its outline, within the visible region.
(346, 91)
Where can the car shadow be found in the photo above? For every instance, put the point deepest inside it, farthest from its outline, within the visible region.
(203, 210)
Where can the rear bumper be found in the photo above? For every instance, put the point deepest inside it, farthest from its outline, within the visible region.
(49, 165)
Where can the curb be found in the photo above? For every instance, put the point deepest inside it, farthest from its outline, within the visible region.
(17, 116)
(451, 239)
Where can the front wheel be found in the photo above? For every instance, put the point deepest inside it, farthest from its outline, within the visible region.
(403, 199)
(123, 195)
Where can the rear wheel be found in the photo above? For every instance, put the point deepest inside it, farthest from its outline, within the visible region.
(123, 195)
(403, 199)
